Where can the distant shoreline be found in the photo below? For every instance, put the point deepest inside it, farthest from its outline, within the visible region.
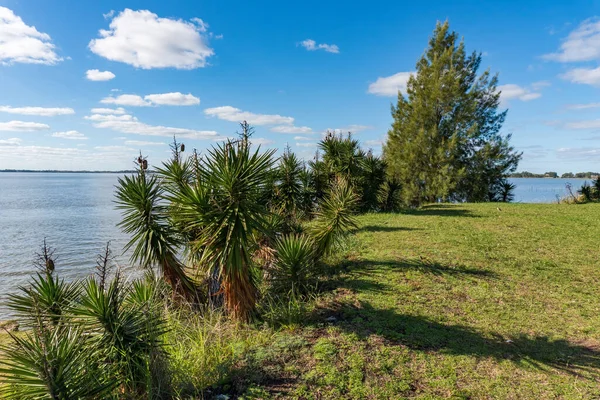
(66, 172)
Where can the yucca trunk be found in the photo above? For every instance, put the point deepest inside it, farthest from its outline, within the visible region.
(239, 294)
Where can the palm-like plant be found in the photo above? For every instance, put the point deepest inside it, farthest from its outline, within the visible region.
(506, 191)
(335, 217)
(585, 191)
(289, 187)
(226, 215)
(596, 188)
(128, 329)
(54, 363)
(154, 241)
(294, 266)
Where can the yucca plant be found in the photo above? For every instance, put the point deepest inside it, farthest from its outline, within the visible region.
(55, 359)
(585, 192)
(335, 217)
(289, 187)
(596, 188)
(54, 363)
(371, 179)
(226, 216)
(154, 241)
(127, 329)
(389, 196)
(294, 265)
(506, 191)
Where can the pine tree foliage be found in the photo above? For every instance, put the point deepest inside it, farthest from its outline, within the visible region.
(445, 141)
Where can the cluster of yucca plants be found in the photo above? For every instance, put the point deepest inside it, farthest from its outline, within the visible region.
(217, 226)
(98, 338)
(340, 155)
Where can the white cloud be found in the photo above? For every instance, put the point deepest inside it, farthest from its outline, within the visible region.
(588, 124)
(350, 128)
(587, 76)
(132, 100)
(97, 75)
(579, 153)
(15, 155)
(261, 141)
(512, 91)
(302, 138)
(73, 135)
(390, 85)
(373, 143)
(311, 45)
(233, 114)
(539, 85)
(312, 144)
(10, 142)
(292, 129)
(582, 44)
(129, 124)
(109, 14)
(115, 111)
(41, 111)
(168, 99)
(173, 99)
(21, 43)
(142, 143)
(20, 126)
(582, 106)
(142, 39)
(112, 149)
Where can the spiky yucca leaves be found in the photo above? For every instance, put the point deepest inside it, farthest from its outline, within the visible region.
(127, 327)
(55, 359)
(372, 178)
(289, 189)
(48, 297)
(389, 196)
(320, 176)
(154, 241)
(308, 195)
(585, 191)
(335, 217)
(596, 188)
(227, 215)
(342, 156)
(54, 363)
(506, 191)
(294, 266)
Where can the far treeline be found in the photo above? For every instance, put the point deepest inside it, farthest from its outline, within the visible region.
(551, 174)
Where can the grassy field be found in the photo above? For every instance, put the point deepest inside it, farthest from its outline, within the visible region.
(454, 301)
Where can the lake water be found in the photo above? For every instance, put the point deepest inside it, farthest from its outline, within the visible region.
(76, 214)
(544, 190)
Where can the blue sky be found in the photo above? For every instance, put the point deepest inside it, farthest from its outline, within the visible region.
(86, 85)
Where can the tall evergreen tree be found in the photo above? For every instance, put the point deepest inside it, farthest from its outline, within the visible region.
(445, 141)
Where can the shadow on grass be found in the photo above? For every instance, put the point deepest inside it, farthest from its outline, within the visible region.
(424, 334)
(425, 266)
(442, 210)
(380, 228)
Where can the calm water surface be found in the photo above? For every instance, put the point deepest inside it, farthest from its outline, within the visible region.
(76, 214)
(543, 190)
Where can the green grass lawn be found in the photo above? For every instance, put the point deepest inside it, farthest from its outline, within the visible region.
(452, 301)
